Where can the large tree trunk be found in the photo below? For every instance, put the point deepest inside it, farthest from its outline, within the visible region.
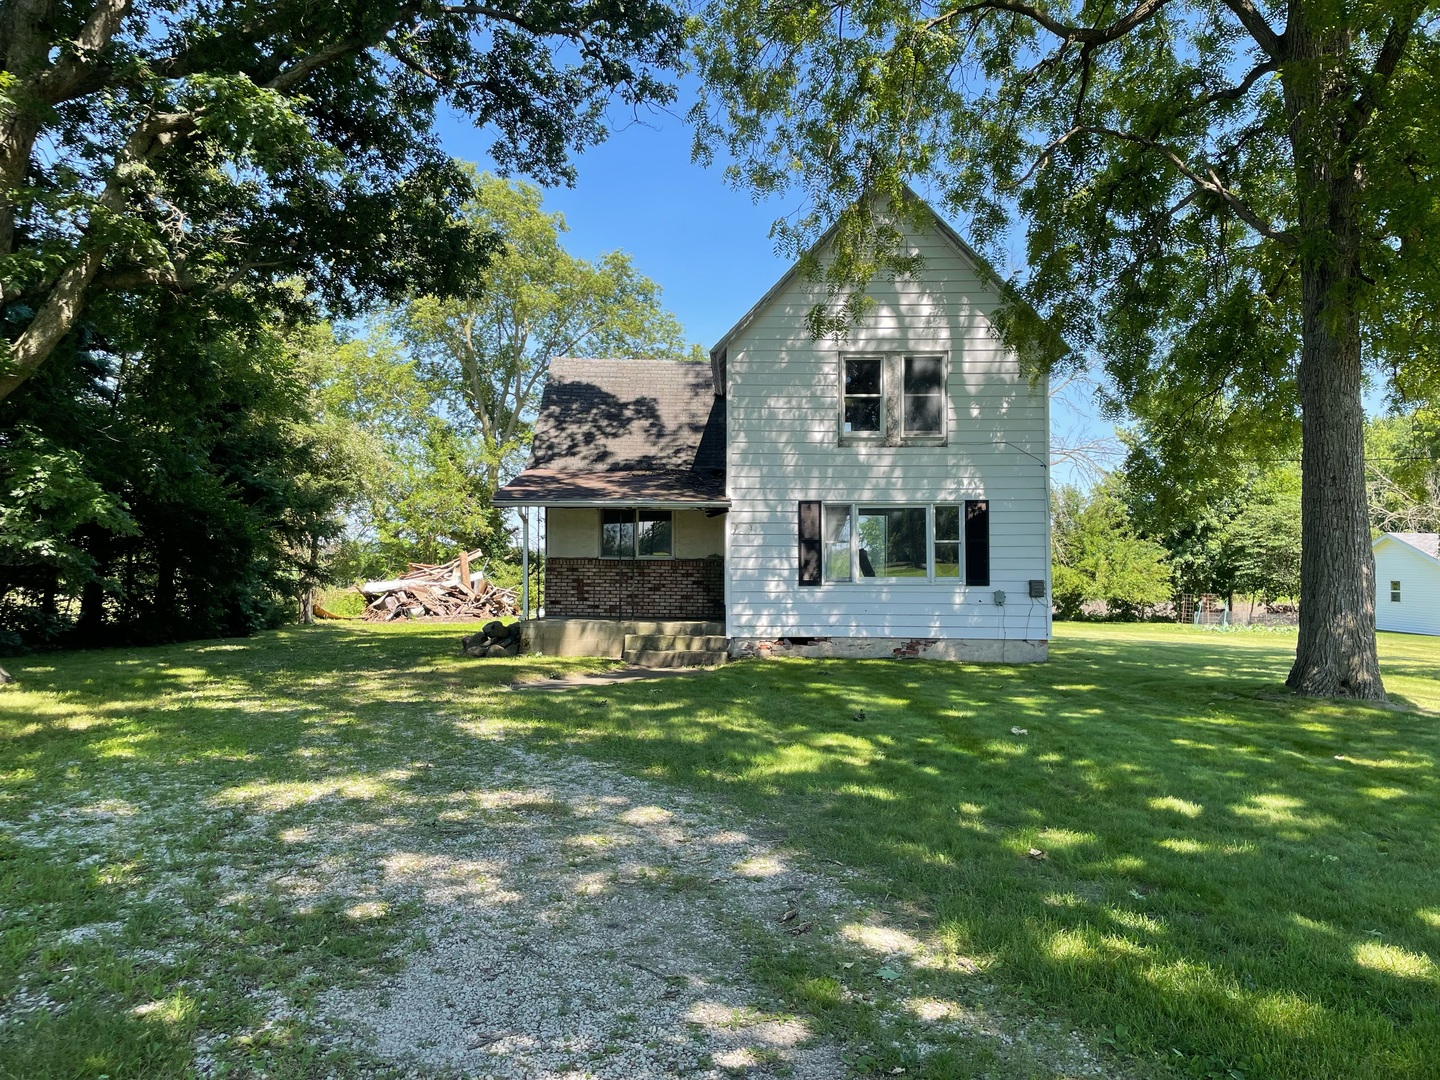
(1336, 651)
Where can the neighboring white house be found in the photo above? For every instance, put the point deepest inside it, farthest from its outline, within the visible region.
(885, 494)
(1407, 582)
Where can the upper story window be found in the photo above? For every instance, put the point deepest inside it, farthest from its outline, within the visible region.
(1395, 592)
(893, 399)
(631, 534)
(864, 397)
(924, 395)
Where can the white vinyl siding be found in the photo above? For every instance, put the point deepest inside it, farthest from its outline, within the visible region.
(1418, 609)
(783, 398)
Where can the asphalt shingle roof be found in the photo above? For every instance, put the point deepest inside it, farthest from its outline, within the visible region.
(1429, 543)
(625, 430)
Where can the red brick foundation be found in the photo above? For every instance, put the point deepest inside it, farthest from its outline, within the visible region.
(635, 588)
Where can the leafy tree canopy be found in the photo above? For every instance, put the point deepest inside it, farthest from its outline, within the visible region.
(1098, 556)
(167, 480)
(1402, 458)
(1230, 519)
(1231, 204)
(485, 353)
(417, 491)
(201, 144)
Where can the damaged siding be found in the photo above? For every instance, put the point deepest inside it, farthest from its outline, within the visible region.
(783, 393)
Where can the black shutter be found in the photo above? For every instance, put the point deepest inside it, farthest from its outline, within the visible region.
(809, 543)
(977, 542)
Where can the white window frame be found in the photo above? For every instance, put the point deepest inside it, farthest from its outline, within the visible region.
(866, 436)
(856, 578)
(892, 399)
(1395, 592)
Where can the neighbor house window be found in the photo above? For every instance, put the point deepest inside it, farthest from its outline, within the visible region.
(1395, 592)
(629, 534)
(892, 543)
(894, 399)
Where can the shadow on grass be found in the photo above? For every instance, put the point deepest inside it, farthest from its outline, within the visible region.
(1230, 880)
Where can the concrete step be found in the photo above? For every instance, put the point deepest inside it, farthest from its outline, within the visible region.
(672, 658)
(676, 643)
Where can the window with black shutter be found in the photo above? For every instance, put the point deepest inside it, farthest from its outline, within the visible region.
(977, 542)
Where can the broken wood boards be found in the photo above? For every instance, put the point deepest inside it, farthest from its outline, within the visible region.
(443, 591)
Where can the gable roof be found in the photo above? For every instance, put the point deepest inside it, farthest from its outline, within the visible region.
(987, 273)
(608, 431)
(1427, 544)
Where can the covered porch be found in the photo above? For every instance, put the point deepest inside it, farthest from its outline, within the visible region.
(627, 467)
(631, 561)
(625, 548)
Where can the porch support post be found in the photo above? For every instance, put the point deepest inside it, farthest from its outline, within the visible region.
(525, 561)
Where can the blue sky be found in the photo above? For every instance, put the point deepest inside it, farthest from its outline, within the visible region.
(706, 244)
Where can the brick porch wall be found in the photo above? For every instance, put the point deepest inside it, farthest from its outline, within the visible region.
(635, 589)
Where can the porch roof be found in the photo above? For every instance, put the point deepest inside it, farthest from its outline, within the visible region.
(625, 432)
(673, 488)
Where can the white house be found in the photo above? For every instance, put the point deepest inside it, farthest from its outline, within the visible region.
(884, 494)
(1407, 582)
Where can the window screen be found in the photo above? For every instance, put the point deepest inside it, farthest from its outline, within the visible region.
(627, 534)
(837, 544)
(653, 533)
(947, 541)
(808, 528)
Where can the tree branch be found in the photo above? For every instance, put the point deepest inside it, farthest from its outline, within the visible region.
(517, 20)
(55, 317)
(77, 59)
(1050, 148)
(1232, 93)
(1271, 43)
(319, 58)
(1085, 35)
(135, 277)
(1212, 184)
(1391, 50)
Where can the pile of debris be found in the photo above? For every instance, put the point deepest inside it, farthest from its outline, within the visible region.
(494, 639)
(445, 591)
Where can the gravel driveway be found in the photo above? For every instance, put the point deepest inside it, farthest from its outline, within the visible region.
(577, 923)
(549, 917)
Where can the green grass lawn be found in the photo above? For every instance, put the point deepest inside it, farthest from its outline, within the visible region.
(1235, 883)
